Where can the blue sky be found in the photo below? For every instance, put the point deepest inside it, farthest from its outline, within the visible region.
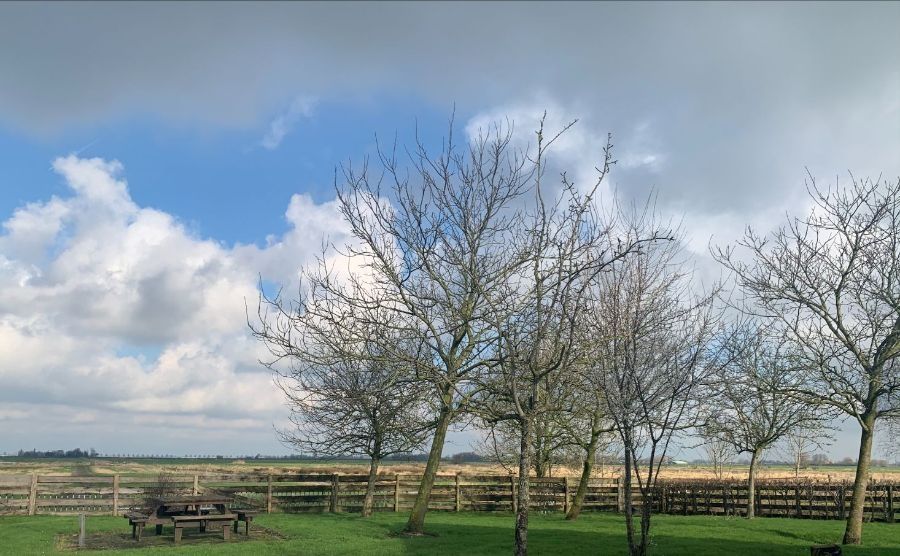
(222, 183)
(157, 159)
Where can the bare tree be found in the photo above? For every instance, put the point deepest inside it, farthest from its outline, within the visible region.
(570, 429)
(753, 395)
(719, 453)
(165, 484)
(590, 431)
(585, 426)
(346, 394)
(563, 244)
(651, 337)
(354, 407)
(429, 240)
(549, 445)
(800, 443)
(829, 282)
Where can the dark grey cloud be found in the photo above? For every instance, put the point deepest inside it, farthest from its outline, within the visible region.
(741, 96)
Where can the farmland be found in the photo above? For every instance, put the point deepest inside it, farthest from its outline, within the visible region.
(147, 466)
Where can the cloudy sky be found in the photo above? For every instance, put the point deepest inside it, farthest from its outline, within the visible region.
(156, 160)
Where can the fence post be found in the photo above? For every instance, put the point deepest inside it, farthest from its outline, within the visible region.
(620, 495)
(334, 493)
(397, 492)
(566, 494)
(757, 501)
(196, 490)
(890, 504)
(662, 498)
(269, 493)
(116, 494)
(842, 493)
(512, 489)
(81, 530)
(32, 495)
(458, 501)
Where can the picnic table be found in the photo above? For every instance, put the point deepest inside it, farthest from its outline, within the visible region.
(203, 511)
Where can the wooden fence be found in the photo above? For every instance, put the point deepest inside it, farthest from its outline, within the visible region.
(114, 494)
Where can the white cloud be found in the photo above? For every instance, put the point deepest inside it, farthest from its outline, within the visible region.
(88, 277)
(301, 107)
(578, 151)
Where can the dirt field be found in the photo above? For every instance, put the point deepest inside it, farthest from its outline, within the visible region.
(109, 466)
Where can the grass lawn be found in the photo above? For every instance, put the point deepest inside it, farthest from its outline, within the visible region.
(467, 533)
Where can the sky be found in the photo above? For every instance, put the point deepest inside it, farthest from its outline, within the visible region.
(158, 160)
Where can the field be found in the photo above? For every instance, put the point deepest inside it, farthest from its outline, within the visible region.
(463, 533)
(109, 466)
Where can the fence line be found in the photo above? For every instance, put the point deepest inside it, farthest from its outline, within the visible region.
(317, 492)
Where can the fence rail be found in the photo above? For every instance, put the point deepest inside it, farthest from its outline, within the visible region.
(305, 492)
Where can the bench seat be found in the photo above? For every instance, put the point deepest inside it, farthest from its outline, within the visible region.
(246, 516)
(137, 522)
(203, 521)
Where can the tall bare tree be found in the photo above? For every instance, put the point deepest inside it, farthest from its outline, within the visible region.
(830, 282)
(563, 244)
(431, 235)
(652, 332)
(753, 396)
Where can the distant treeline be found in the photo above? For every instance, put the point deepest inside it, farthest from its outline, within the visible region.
(76, 453)
(462, 457)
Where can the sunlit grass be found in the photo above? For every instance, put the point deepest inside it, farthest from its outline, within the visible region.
(474, 533)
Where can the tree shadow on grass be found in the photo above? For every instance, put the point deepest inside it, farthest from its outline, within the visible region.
(597, 538)
(118, 540)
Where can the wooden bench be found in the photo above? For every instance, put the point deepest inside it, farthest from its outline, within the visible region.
(246, 516)
(137, 522)
(204, 521)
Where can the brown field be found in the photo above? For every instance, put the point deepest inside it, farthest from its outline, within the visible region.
(109, 466)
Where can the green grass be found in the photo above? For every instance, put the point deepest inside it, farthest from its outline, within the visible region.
(469, 533)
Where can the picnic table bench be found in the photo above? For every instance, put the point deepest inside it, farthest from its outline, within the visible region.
(202, 511)
(137, 522)
(246, 516)
(204, 522)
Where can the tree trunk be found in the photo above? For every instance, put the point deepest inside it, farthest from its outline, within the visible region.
(853, 533)
(751, 485)
(629, 521)
(646, 508)
(416, 522)
(540, 467)
(587, 467)
(539, 460)
(522, 497)
(370, 488)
